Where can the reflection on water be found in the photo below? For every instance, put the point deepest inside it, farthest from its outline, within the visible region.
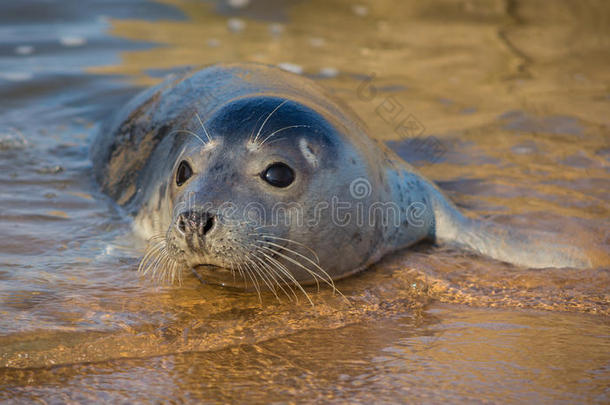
(515, 97)
(450, 353)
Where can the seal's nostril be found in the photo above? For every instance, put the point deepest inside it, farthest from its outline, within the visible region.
(208, 224)
(197, 222)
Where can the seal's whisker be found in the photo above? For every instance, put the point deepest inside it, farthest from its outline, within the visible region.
(283, 129)
(242, 275)
(166, 275)
(178, 268)
(314, 274)
(284, 280)
(275, 141)
(266, 279)
(148, 260)
(155, 265)
(292, 251)
(158, 263)
(144, 262)
(168, 269)
(285, 271)
(254, 282)
(254, 128)
(256, 273)
(269, 236)
(157, 236)
(273, 274)
(264, 275)
(163, 276)
(248, 259)
(327, 279)
(267, 119)
(152, 248)
(149, 257)
(248, 272)
(172, 268)
(186, 131)
(293, 281)
(203, 126)
(280, 269)
(156, 245)
(168, 266)
(155, 240)
(232, 265)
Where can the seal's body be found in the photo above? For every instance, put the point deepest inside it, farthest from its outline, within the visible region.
(250, 174)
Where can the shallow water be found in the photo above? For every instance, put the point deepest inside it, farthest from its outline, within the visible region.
(505, 105)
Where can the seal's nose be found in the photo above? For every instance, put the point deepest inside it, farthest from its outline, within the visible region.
(195, 222)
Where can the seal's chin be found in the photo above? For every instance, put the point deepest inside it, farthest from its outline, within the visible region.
(212, 274)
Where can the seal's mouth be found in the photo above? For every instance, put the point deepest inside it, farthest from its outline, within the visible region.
(209, 267)
(209, 273)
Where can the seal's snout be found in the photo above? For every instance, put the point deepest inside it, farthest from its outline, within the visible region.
(195, 222)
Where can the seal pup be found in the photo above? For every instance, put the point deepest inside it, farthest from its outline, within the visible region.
(253, 176)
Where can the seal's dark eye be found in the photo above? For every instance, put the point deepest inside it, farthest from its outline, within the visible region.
(278, 175)
(183, 173)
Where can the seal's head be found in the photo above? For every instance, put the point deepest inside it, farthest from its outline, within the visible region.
(261, 196)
